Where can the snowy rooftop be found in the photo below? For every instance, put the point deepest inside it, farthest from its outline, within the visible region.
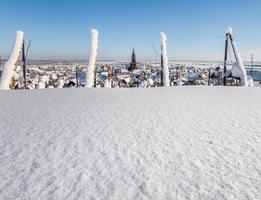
(161, 143)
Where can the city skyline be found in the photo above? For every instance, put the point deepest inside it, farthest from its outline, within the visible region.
(195, 30)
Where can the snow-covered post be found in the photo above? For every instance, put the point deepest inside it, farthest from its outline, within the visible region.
(93, 55)
(240, 65)
(238, 70)
(61, 83)
(107, 83)
(165, 59)
(11, 64)
(43, 81)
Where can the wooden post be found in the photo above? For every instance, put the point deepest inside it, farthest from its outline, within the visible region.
(76, 76)
(24, 64)
(95, 74)
(209, 76)
(161, 72)
(252, 64)
(225, 60)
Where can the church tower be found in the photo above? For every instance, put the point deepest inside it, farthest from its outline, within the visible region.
(133, 61)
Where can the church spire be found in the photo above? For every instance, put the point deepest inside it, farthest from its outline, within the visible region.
(133, 61)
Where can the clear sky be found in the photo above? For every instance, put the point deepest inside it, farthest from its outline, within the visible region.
(195, 28)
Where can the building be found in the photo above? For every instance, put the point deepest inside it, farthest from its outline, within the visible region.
(133, 64)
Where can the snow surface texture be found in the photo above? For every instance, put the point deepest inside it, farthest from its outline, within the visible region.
(162, 143)
(92, 61)
(165, 59)
(10, 65)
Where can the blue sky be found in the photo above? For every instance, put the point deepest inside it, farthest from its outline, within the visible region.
(195, 28)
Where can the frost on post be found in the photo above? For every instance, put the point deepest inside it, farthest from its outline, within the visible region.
(43, 82)
(93, 55)
(238, 69)
(10, 67)
(165, 59)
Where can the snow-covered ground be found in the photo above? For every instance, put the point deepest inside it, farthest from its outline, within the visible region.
(160, 143)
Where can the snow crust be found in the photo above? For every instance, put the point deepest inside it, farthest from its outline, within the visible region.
(92, 61)
(9, 68)
(165, 59)
(161, 143)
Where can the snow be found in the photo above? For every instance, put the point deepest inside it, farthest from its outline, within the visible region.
(92, 61)
(238, 69)
(42, 82)
(107, 84)
(165, 59)
(229, 30)
(160, 143)
(10, 66)
(60, 83)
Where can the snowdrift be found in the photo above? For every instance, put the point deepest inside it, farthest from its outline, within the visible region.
(165, 143)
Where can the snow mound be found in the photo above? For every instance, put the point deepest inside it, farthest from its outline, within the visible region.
(162, 143)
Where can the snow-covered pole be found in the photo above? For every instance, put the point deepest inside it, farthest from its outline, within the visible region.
(89, 83)
(165, 59)
(161, 73)
(24, 64)
(240, 64)
(76, 76)
(10, 65)
(225, 60)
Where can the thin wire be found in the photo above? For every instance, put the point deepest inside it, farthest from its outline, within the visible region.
(156, 50)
